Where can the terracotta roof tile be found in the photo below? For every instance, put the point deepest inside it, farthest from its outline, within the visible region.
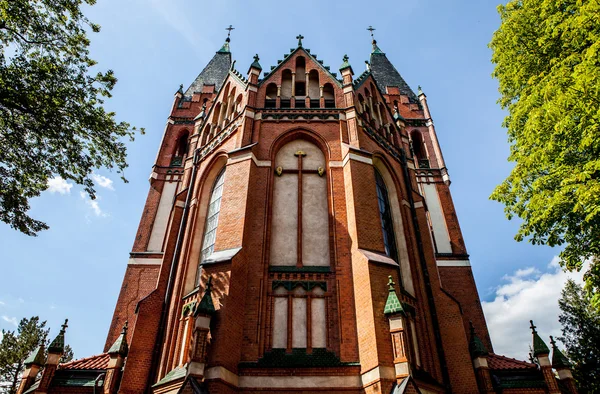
(496, 361)
(94, 362)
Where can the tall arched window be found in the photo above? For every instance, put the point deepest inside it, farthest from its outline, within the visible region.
(385, 214)
(212, 217)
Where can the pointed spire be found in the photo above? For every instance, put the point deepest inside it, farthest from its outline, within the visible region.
(36, 357)
(559, 360)
(255, 63)
(376, 49)
(180, 90)
(346, 64)
(58, 344)
(299, 37)
(206, 305)
(392, 305)
(420, 91)
(120, 346)
(539, 347)
(476, 347)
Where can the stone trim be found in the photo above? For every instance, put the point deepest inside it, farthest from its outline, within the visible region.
(144, 261)
(221, 256)
(453, 263)
(293, 382)
(354, 156)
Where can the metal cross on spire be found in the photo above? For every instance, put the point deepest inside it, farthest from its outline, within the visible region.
(532, 327)
(371, 29)
(300, 37)
(229, 29)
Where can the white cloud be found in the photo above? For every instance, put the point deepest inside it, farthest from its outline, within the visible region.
(59, 185)
(11, 320)
(93, 204)
(2, 303)
(528, 295)
(103, 181)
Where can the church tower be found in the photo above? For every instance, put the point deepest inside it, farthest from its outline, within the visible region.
(319, 211)
(299, 235)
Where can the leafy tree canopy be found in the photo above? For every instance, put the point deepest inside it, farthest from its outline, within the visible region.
(52, 122)
(547, 62)
(14, 349)
(16, 346)
(581, 336)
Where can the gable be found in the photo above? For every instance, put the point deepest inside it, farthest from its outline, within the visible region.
(289, 62)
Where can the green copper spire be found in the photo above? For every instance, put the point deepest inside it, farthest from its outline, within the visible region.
(559, 360)
(345, 64)
(225, 47)
(36, 357)
(120, 346)
(539, 347)
(392, 305)
(206, 305)
(255, 63)
(58, 344)
(476, 347)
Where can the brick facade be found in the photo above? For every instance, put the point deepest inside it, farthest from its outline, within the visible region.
(361, 124)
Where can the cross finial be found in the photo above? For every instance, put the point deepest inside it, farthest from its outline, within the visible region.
(346, 58)
(256, 58)
(552, 341)
(65, 325)
(391, 283)
(371, 29)
(300, 37)
(229, 29)
(532, 327)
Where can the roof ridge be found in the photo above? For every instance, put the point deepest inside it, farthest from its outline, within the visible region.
(511, 359)
(266, 74)
(83, 359)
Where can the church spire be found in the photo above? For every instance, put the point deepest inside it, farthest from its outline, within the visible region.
(384, 71)
(225, 47)
(215, 71)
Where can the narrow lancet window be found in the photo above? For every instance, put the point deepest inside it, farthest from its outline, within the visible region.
(212, 217)
(385, 213)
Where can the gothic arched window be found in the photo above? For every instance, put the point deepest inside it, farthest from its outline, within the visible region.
(385, 214)
(212, 217)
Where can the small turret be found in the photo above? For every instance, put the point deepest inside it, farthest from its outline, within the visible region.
(479, 356)
(117, 352)
(397, 319)
(55, 352)
(541, 353)
(562, 365)
(202, 315)
(254, 70)
(33, 363)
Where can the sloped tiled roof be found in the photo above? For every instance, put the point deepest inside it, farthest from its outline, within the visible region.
(498, 362)
(213, 74)
(386, 74)
(94, 362)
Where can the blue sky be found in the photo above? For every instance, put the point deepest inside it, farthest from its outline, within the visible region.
(75, 269)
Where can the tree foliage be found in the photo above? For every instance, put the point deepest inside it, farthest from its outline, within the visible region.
(546, 55)
(581, 336)
(15, 347)
(52, 119)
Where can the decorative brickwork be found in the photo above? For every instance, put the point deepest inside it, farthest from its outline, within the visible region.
(323, 198)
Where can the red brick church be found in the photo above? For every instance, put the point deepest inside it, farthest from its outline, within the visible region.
(299, 236)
